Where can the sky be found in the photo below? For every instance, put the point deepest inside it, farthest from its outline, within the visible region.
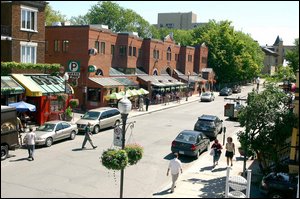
(262, 20)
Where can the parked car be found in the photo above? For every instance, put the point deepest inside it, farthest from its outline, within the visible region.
(99, 118)
(225, 91)
(190, 143)
(210, 125)
(207, 97)
(236, 89)
(279, 185)
(53, 131)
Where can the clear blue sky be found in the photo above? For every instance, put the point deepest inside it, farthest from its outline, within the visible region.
(263, 20)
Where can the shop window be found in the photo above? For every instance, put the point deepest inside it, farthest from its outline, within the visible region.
(93, 94)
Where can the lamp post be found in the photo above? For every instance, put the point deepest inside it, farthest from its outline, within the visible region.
(66, 78)
(187, 86)
(124, 106)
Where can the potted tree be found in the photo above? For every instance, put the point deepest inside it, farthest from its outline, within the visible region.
(68, 114)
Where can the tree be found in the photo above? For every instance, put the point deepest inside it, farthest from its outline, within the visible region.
(53, 16)
(292, 56)
(234, 56)
(79, 20)
(268, 122)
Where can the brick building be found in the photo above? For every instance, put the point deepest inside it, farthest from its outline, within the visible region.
(98, 54)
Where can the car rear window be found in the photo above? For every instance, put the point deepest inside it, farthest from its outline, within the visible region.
(186, 137)
(208, 123)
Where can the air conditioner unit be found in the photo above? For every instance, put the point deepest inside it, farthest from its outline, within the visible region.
(93, 51)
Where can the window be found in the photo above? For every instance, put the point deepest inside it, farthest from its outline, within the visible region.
(169, 55)
(204, 60)
(56, 45)
(170, 25)
(93, 94)
(102, 50)
(97, 46)
(140, 52)
(134, 51)
(190, 58)
(156, 54)
(122, 51)
(65, 47)
(130, 51)
(28, 18)
(112, 49)
(28, 52)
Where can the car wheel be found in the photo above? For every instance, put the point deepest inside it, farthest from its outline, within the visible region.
(96, 129)
(72, 135)
(48, 142)
(4, 152)
(276, 195)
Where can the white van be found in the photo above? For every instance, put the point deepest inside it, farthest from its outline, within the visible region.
(99, 118)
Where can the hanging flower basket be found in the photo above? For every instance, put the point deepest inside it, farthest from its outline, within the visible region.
(114, 159)
(134, 153)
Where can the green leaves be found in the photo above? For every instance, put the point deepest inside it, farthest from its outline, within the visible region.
(7, 67)
(114, 159)
(134, 153)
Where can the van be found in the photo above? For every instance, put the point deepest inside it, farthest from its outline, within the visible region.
(99, 118)
(210, 125)
(9, 132)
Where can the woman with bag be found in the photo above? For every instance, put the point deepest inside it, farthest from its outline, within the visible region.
(217, 152)
(230, 150)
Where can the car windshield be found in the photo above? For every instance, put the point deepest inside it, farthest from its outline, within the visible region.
(186, 137)
(206, 94)
(46, 127)
(91, 115)
(206, 123)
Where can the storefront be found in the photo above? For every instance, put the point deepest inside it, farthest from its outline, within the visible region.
(50, 95)
(11, 91)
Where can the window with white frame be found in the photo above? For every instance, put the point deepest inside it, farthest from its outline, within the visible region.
(28, 52)
(28, 18)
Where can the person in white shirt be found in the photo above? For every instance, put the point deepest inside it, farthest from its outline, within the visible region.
(30, 142)
(174, 166)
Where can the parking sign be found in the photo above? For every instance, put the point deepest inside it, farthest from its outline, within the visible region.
(118, 136)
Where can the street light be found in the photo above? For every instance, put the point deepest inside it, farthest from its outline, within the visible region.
(66, 78)
(124, 106)
(187, 86)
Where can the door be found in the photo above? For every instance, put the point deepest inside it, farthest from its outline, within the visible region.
(104, 119)
(59, 132)
(66, 130)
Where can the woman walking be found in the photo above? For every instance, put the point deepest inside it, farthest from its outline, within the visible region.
(230, 150)
(217, 148)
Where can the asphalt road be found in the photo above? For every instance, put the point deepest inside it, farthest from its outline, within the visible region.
(64, 170)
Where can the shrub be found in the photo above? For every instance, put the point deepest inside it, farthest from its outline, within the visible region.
(74, 103)
(134, 153)
(114, 159)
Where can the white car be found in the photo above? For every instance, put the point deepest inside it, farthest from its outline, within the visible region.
(207, 97)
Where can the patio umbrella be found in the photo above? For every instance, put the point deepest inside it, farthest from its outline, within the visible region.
(114, 95)
(122, 93)
(23, 106)
(143, 91)
(137, 92)
(132, 92)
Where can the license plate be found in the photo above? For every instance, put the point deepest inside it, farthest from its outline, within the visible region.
(181, 152)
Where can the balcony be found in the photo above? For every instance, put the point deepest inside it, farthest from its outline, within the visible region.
(5, 30)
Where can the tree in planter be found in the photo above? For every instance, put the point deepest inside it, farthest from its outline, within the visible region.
(134, 153)
(68, 114)
(268, 122)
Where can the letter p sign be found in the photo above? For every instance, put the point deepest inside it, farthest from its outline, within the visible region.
(73, 66)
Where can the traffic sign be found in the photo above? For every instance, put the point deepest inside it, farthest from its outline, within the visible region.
(118, 136)
(73, 66)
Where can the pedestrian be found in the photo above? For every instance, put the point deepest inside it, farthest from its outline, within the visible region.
(217, 152)
(257, 83)
(141, 104)
(29, 140)
(147, 102)
(87, 136)
(20, 130)
(230, 150)
(174, 166)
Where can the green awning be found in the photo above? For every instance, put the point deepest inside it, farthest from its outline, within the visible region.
(10, 86)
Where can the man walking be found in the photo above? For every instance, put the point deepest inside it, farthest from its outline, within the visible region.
(29, 139)
(174, 166)
(147, 102)
(87, 136)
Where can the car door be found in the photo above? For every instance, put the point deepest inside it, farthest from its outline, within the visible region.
(59, 132)
(201, 143)
(66, 130)
(104, 119)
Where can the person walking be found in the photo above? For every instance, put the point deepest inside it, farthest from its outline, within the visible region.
(230, 150)
(257, 83)
(174, 165)
(141, 104)
(147, 102)
(29, 139)
(87, 136)
(217, 152)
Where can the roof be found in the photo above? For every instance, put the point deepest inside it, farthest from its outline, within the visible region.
(115, 72)
(125, 81)
(208, 117)
(105, 81)
(140, 72)
(161, 81)
(276, 43)
(10, 86)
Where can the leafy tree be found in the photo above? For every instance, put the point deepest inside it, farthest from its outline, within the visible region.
(79, 20)
(292, 56)
(234, 56)
(53, 16)
(285, 73)
(268, 122)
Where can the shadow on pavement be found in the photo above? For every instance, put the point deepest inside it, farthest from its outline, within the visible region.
(164, 192)
(20, 159)
(219, 169)
(85, 149)
(213, 188)
(209, 168)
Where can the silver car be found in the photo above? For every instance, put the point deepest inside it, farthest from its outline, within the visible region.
(99, 118)
(53, 131)
(207, 97)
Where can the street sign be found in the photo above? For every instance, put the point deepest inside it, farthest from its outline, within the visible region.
(92, 68)
(73, 66)
(118, 136)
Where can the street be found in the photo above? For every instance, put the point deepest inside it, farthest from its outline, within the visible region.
(64, 170)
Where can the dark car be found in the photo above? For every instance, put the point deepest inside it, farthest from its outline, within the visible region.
(279, 185)
(210, 125)
(236, 89)
(225, 91)
(190, 143)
